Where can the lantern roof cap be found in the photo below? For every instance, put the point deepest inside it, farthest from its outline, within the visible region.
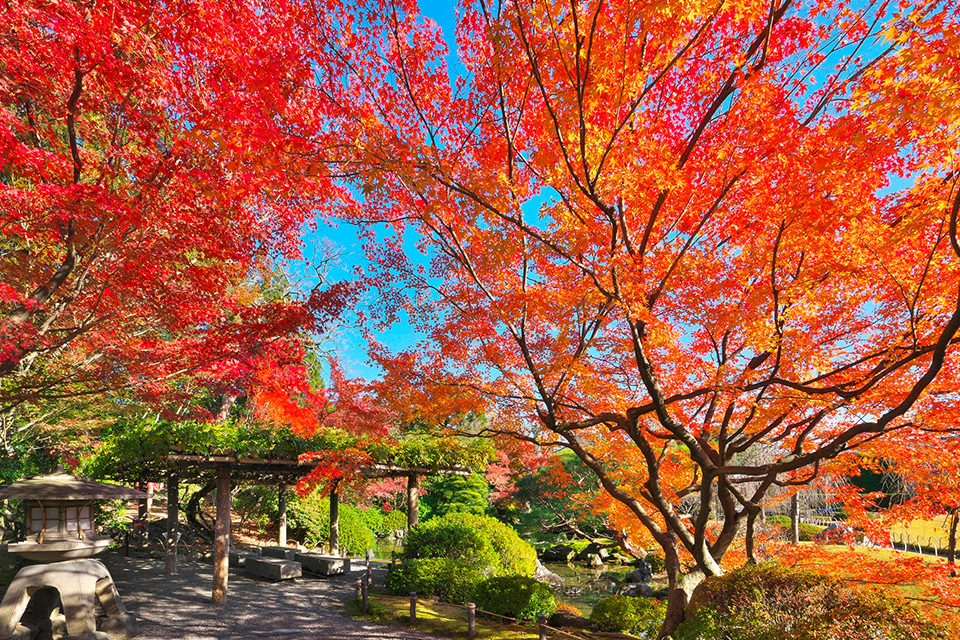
(61, 485)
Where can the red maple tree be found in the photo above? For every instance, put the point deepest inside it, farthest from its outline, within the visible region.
(664, 235)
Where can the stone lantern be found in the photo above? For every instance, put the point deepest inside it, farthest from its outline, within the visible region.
(60, 537)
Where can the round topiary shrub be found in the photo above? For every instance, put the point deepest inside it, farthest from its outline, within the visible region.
(476, 547)
(768, 601)
(625, 614)
(515, 597)
(494, 547)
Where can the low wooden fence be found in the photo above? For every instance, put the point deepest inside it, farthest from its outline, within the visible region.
(526, 629)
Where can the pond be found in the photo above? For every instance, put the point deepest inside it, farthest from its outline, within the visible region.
(582, 586)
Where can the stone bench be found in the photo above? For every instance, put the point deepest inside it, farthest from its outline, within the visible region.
(273, 569)
(324, 565)
(238, 557)
(284, 553)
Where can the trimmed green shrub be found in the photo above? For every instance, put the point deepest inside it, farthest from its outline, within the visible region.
(492, 546)
(625, 614)
(658, 564)
(452, 580)
(770, 602)
(516, 597)
(394, 520)
(308, 519)
(807, 531)
(476, 547)
(372, 518)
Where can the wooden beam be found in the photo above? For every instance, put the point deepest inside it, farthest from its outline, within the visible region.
(173, 515)
(282, 516)
(221, 539)
(413, 500)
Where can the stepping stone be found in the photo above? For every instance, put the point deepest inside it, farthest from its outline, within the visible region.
(285, 553)
(273, 569)
(324, 565)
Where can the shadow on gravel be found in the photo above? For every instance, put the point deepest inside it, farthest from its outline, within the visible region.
(178, 607)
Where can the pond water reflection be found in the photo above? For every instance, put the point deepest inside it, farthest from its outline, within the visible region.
(583, 586)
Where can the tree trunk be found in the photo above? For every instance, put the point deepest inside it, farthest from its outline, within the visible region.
(173, 498)
(795, 518)
(282, 514)
(952, 542)
(335, 518)
(751, 547)
(413, 501)
(680, 587)
(221, 542)
(191, 509)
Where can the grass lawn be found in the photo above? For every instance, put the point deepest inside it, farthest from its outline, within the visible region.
(439, 618)
(936, 528)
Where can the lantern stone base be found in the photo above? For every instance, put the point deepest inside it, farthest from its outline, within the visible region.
(81, 584)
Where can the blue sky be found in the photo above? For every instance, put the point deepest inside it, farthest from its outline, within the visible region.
(348, 343)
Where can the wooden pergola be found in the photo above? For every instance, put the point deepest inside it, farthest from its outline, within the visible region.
(281, 472)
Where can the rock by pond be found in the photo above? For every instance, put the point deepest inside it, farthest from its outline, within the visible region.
(558, 553)
(542, 574)
(638, 590)
(641, 572)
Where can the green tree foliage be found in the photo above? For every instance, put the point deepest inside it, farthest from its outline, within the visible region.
(767, 601)
(553, 501)
(136, 450)
(444, 494)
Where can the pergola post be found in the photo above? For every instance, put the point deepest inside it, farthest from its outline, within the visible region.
(335, 518)
(413, 500)
(795, 519)
(143, 507)
(173, 515)
(221, 540)
(282, 508)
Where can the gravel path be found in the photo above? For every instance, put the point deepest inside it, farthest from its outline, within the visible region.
(178, 607)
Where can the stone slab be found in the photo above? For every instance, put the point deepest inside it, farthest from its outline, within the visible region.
(324, 565)
(284, 553)
(273, 569)
(238, 557)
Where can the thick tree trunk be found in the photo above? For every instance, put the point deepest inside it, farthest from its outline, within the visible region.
(795, 519)
(282, 514)
(173, 515)
(221, 542)
(335, 518)
(680, 589)
(413, 501)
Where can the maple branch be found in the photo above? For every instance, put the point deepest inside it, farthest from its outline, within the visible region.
(72, 115)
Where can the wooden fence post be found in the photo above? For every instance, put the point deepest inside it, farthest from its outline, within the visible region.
(363, 593)
(471, 620)
(542, 626)
(413, 607)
